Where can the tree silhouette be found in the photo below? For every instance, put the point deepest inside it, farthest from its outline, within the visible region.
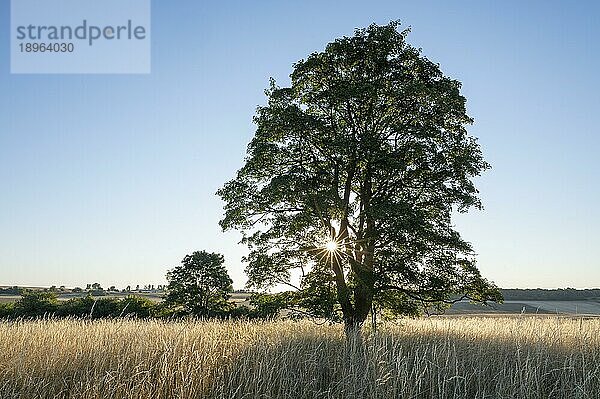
(352, 177)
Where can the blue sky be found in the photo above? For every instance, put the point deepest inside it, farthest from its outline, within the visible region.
(111, 178)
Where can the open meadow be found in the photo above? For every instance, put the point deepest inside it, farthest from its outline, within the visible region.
(471, 357)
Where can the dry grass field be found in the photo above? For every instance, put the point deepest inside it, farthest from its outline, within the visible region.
(527, 357)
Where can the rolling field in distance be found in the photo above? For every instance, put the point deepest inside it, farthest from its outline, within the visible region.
(153, 296)
(529, 307)
(470, 357)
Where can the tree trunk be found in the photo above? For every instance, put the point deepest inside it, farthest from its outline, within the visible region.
(352, 329)
(363, 300)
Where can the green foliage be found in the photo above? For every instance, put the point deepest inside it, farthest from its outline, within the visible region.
(200, 286)
(269, 306)
(36, 303)
(106, 307)
(6, 309)
(394, 304)
(140, 307)
(318, 294)
(241, 312)
(42, 303)
(76, 307)
(368, 147)
(89, 306)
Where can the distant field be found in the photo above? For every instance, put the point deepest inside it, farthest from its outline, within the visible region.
(449, 358)
(588, 307)
(570, 307)
(156, 297)
(591, 307)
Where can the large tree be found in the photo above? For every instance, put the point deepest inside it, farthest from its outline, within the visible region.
(200, 285)
(352, 178)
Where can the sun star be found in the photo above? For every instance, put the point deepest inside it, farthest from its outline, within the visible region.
(332, 246)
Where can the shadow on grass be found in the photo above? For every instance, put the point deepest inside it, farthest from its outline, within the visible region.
(445, 365)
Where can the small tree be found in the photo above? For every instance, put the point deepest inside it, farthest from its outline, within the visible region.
(200, 284)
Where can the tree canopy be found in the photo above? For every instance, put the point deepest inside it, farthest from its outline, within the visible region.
(200, 285)
(352, 178)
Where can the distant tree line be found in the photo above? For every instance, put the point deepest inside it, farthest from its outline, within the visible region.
(38, 304)
(11, 290)
(191, 301)
(94, 289)
(199, 287)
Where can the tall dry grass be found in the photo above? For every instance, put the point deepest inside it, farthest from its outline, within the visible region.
(426, 358)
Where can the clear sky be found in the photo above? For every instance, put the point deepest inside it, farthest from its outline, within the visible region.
(111, 178)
